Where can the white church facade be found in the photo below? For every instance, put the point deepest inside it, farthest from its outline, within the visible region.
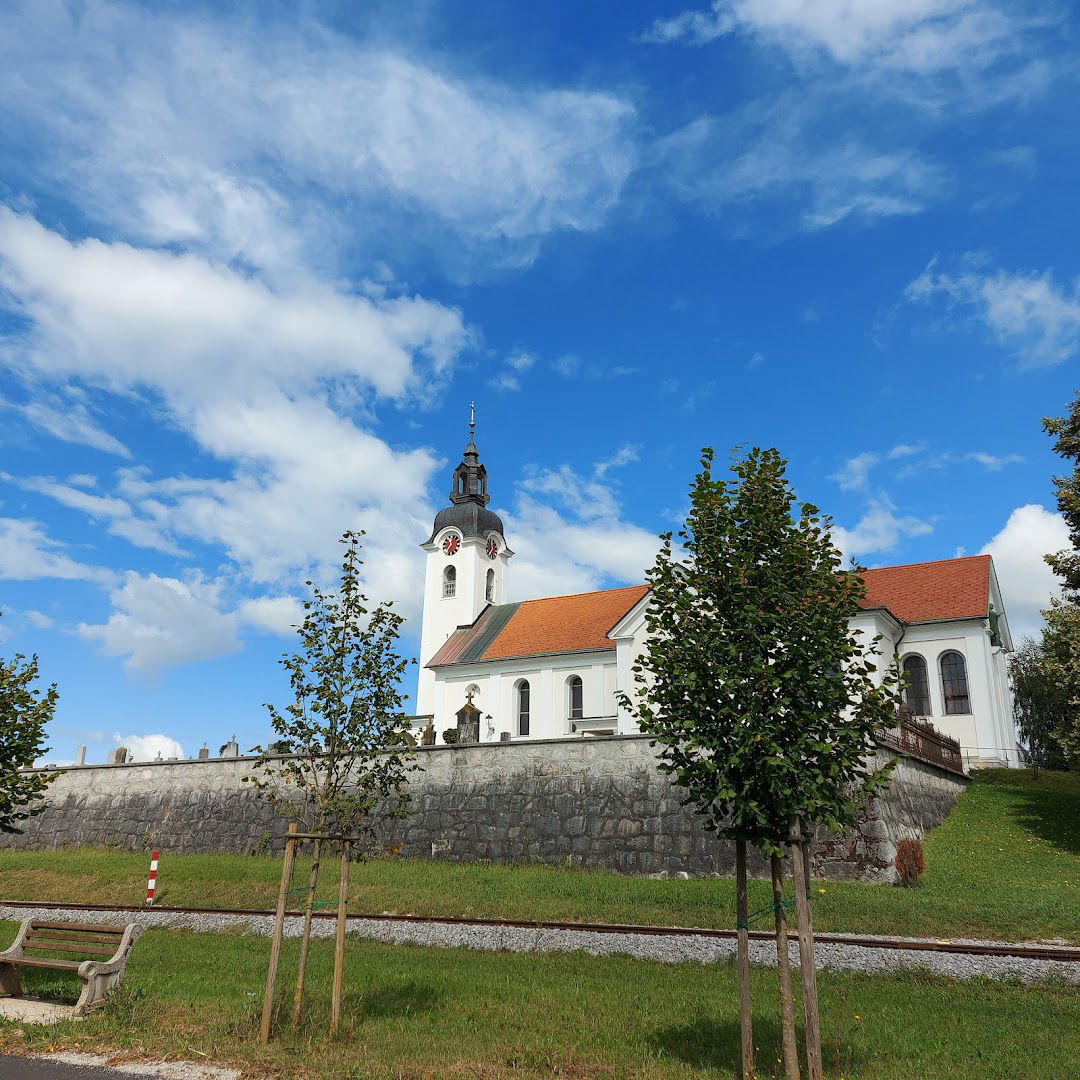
(553, 667)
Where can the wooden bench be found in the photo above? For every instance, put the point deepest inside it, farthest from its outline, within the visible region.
(84, 939)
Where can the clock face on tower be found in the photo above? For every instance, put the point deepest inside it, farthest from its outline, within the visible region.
(451, 543)
(492, 547)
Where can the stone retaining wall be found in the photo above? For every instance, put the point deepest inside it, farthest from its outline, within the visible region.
(594, 802)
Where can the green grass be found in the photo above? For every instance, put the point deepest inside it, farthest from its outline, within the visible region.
(412, 1012)
(1005, 864)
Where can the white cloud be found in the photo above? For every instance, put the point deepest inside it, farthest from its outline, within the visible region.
(26, 553)
(140, 318)
(569, 533)
(149, 747)
(904, 450)
(160, 622)
(72, 422)
(38, 619)
(920, 36)
(505, 382)
(855, 473)
(117, 513)
(521, 361)
(557, 555)
(787, 148)
(994, 462)
(233, 137)
(273, 614)
(879, 530)
(1027, 583)
(259, 380)
(625, 455)
(1027, 312)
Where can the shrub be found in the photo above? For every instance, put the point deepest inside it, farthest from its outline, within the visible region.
(910, 863)
(450, 735)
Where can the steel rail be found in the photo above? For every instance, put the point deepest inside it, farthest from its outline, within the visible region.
(1064, 953)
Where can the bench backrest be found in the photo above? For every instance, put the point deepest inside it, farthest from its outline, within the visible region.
(87, 939)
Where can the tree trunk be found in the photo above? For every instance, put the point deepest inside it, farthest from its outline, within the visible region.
(745, 1020)
(783, 971)
(305, 938)
(339, 941)
(800, 865)
(275, 943)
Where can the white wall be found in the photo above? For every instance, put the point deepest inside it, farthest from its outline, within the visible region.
(496, 681)
(986, 734)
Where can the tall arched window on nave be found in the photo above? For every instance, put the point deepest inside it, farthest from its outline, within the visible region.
(917, 691)
(521, 693)
(954, 683)
(575, 698)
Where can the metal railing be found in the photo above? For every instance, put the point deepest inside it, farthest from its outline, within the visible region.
(923, 740)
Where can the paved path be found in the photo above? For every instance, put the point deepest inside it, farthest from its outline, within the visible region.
(21, 1068)
(90, 1067)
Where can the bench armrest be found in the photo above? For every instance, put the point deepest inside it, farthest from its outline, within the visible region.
(15, 950)
(117, 961)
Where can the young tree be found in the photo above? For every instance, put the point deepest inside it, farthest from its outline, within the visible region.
(344, 728)
(24, 714)
(1039, 703)
(763, 700)
(1061, 638)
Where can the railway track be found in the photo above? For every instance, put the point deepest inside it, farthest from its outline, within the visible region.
(1064, 953)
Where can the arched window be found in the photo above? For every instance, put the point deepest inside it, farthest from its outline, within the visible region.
(489, 589)
(954, 683)
(449, 581)
(917, 691)
(522, 693)
(575, 697)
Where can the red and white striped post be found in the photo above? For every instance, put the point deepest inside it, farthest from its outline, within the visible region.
(151, 883)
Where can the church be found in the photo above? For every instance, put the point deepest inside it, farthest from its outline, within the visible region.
(552, 668)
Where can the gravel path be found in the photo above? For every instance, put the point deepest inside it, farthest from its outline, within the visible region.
(673, 949)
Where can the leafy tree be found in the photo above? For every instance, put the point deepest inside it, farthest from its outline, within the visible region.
(1066, 432)
(762, 699)
(345, 724)
(1061, 638)
(1039, 703)
(24, 714)
(1060, 646)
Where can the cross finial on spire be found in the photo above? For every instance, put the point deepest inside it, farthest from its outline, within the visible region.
(472, 420)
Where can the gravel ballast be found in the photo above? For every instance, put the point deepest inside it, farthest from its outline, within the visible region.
(673, 949)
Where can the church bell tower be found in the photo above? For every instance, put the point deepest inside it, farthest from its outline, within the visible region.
(466, 563)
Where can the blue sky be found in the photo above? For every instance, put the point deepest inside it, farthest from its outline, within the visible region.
(255, 261)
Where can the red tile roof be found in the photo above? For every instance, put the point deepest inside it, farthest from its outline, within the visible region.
(920, 592)
(556, 624)
(560, 624)
(927, 592)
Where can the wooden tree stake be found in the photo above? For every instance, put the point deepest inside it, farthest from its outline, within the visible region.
(800, 866)
(279, 928)
(339, 941)
(783, 971)
(301, 974)
(745, 1019)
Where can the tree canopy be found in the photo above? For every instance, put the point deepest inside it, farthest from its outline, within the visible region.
(345, 724)
(25, 712)
(763, 699)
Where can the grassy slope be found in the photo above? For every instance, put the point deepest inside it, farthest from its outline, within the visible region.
(413, 1012)
(1005, 864)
